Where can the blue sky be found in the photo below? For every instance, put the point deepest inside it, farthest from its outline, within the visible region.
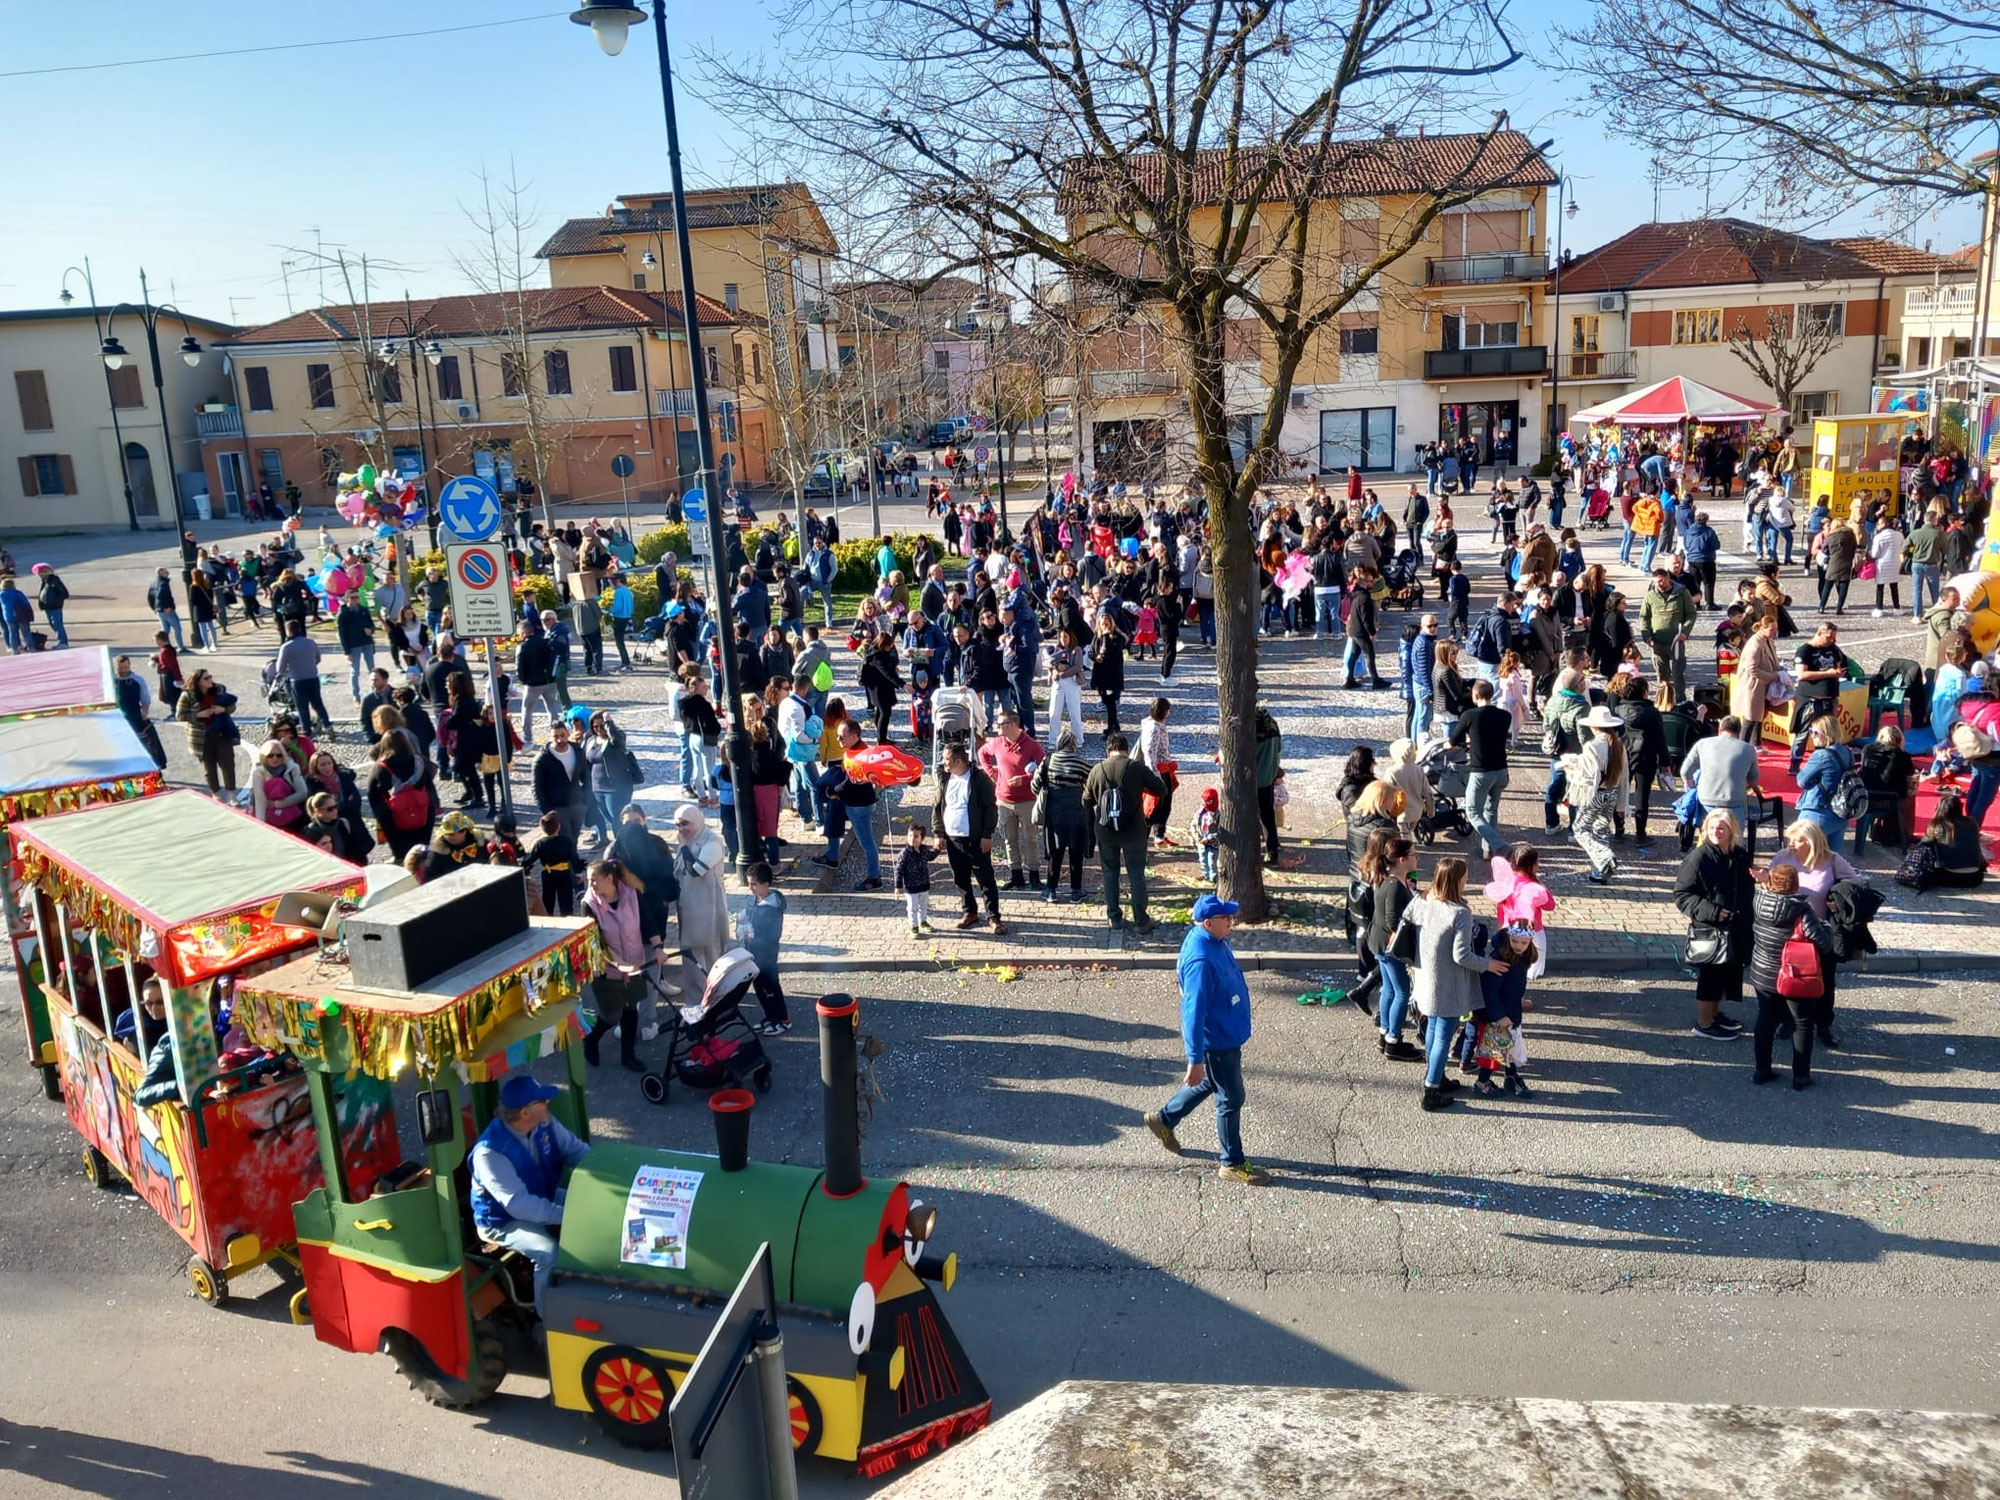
(213, 172)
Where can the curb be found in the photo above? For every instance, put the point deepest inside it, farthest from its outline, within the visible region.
(1117, 958)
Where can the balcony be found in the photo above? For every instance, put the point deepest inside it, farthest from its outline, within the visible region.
(1133, 383)
(680, 403)
(226, 423)
(1486, 270)
(1939, 301)
(1471, 364)
(1612, 364)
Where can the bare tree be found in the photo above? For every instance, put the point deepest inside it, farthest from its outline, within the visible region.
(1805, 105)
(1784, 344)
(1162, 155)
(356, 329)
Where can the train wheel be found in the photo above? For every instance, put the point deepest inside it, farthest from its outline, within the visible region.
(654, 1087)
(51, 1082)
(806, 1423)
(440, 1389)
(628, 1394)
(98, 1169)
(207, 1283)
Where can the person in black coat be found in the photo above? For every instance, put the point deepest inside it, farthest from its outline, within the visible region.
(1645, 750)
(1714, 889)
(1067, 828)
(562, 780)
(1107, 667)
(1777, 911)
(881, 682)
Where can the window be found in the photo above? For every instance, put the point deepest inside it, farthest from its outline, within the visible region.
(736, 362)
(1961, 348)
(450, 387)
(940, 359)
(624, 373)
(846, 355)
(714, 362)
(1470, 333)
(126, 392)
(271, 466)
(1360, 340)
(32, 386)
(1583, 333)
(1828, 317)
(513, 374)
(555, 372)
(329, 467)
(1920, 354)
(731, 297)
(1364, 439)
(47, 474)
(638, 281)
(756, 364)
(319, 380)
(1809, 404)
(257, 383)
(1698, 325)
(389, 384)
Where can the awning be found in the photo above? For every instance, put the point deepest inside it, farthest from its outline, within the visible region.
(1673, 401)
(56, 682)
(67, 763)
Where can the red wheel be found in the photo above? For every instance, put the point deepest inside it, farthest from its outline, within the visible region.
(805, 1416)
(629, 1395)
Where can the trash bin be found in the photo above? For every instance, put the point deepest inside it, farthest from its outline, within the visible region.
(200, 504)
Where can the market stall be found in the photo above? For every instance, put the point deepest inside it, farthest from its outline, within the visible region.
(1677, 412)
(52, 765)
(57, 682)
(180, 891)
(1858, 460)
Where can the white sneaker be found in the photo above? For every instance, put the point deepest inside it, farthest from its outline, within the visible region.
(647, 1033)
(1877, 614)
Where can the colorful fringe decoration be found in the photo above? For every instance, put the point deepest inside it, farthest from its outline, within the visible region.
(74, 798)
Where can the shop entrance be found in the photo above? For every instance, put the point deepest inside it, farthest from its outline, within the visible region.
(1494, 425)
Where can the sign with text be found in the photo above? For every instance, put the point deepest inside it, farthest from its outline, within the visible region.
(482, 601)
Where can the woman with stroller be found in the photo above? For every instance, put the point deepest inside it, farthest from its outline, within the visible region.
(613, 901)
(700, 863)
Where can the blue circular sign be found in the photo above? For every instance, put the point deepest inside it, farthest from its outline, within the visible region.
(469, 508)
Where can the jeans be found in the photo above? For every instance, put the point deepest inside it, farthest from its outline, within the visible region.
(1110, 856)
(1829, 823)
(1979, 795)
(864, 835)
(1558, 788)
(1024, 699)
(535, 1242)
(1922, 576)
(14, 635)
(1225, 1081)
(1437, 1045)
(170, 622)
(1354, 655)
(355, 658)
(805, 794)
(996, 699)
(306, 694)
(1207, 610)
(55, 619)
(1646, 550)
(1482, 802)
(1420, 720)
(1395, 1000)
(1207, 853)
(1625, 545)
(1326, 613)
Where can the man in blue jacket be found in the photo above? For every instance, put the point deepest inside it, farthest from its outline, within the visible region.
(1215, 1023)
(517, 1175)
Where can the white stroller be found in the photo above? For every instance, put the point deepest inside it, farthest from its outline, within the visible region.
(957, 718)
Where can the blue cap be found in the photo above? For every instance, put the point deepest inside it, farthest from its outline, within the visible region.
(519, 1091)
(1213, 906)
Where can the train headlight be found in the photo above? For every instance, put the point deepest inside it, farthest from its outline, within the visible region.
(861, 1319)
(918, 1227)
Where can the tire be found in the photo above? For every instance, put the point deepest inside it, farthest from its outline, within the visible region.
(807, 1423)
(98, 1170)
(444, 1390)
(207, 1283)
(628, 1394)
(51, 1082)
(654, 1087)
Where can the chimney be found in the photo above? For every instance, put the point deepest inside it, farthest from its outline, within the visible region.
(840, 1096)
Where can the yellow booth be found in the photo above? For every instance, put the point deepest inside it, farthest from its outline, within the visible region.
(1855, 458)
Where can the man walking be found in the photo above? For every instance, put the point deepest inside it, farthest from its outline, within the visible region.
(1666, 616)
(1423, 675)
(965, 814)
(1487, 730)
(535, 671)
(1112, 794)
(160, 600)
(1215, 1023)
(1009, 759)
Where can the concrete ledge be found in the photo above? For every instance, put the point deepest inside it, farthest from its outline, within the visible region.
(1166, 956)
(1112, 1441)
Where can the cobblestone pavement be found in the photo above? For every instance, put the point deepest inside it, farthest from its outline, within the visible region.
(1631, 923)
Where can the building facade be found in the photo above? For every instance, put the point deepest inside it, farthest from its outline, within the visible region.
(536, 392)
(71, 431)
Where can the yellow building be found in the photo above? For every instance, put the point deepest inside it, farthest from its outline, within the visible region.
(1449, 341)
(66, 417)
(572, 376)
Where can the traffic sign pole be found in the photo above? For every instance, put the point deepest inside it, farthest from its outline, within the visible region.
(622, 466)
(502, 724)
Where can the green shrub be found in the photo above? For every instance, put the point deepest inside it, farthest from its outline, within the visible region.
(856, 560)
(656, 544)
(542, 589)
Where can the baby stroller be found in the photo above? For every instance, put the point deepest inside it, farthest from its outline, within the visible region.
(1444, 767)
(1405, 581)
(717, 1047)
(1597, 509)
(956, 713)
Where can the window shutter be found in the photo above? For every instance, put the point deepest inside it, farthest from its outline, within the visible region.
(257, 384)
(33, 389)
(126, 392)
(28, 485)
(68, 475)
(447, 378)
(319, 380)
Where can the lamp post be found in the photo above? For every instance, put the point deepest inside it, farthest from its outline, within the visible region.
(985, 315)
(609, 21)
(114, 359)
(1564, 209)
(433, 351)
(110, 396)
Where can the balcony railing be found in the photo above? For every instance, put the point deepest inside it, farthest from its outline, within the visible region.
(1611, 364)
(680, 403)
(1132, 383)
(1932, 300)
(227, 423)
(1464, 364)
(1483, 270)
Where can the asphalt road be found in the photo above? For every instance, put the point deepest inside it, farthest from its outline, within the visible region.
(1650, 1227)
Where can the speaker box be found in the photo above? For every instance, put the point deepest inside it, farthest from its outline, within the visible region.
(414, 937)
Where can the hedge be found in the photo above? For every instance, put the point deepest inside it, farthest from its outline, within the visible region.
(855, 559)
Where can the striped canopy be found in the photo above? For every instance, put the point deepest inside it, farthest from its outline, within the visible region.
(1673, 401)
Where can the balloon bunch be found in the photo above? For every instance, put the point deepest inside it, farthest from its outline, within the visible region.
(386, 502)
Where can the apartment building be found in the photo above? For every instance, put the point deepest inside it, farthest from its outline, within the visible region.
(1665, 299)
(481, 384)
(73, 431)
(1449, 341)
(912, 349)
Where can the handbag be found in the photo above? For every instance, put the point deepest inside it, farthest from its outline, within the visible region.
(1403, 941)
(1919, 867)
(489, 765)
(1800, 976)
(1706, 945)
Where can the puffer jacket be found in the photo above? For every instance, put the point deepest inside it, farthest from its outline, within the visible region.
(1772, 919)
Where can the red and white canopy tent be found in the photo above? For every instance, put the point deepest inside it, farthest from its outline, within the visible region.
(1672, 402)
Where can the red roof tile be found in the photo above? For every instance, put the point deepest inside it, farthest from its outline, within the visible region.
(1710, 252)
(1892, 258)
(548, 309)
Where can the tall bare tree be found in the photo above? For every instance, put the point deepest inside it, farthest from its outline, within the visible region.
(1808, 106)
(1177, 155)
(1782, 345)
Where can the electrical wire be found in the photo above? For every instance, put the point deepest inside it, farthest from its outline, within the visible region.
(349, 41)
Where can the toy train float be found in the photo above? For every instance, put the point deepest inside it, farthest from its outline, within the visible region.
(652, 1242)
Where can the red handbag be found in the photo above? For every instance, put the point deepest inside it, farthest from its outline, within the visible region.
(1799, 974)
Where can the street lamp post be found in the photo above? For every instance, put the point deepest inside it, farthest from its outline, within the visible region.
(114, 359)
(984, 315)
(110, 396)
(434, 352)
(1563, 209)
(609, 21)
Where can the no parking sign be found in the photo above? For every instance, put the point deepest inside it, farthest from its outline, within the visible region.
(482, 602)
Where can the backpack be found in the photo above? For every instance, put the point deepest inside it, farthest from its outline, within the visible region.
(1111, 811)
(1493, 633)
(1919, 866)
(409, 806)
(1850, 797)
(1799, 974)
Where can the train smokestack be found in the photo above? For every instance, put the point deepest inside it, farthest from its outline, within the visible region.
(840, 1095)
(731, 1109)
